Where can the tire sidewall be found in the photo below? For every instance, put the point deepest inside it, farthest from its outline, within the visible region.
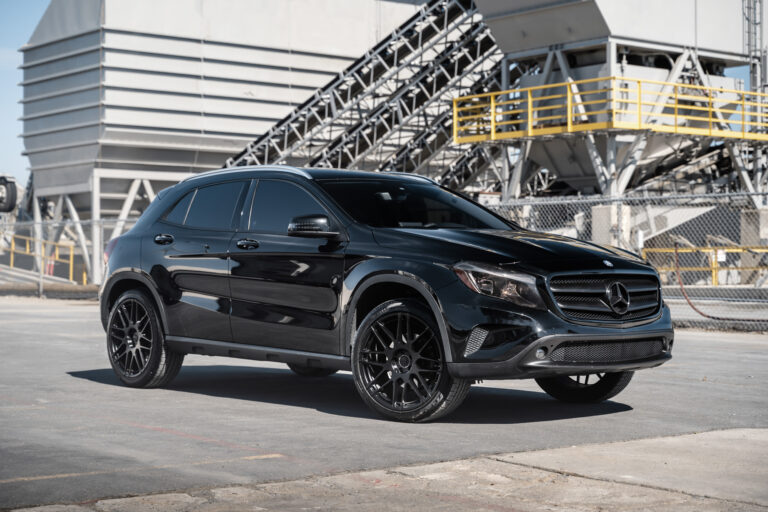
(422, 313)
(158, 341)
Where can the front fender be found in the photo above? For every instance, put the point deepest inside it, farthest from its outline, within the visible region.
(424, 278)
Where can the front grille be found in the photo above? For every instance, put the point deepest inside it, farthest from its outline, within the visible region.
(607, 352)
(589, 298)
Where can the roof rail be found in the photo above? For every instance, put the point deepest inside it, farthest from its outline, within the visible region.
(265, 168)
(410, 175)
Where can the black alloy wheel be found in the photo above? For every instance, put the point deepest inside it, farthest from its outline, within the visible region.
(590, 388)
(131, 336)
(135, 343)
(399, 364)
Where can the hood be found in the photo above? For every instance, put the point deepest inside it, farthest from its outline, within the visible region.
(528, 249)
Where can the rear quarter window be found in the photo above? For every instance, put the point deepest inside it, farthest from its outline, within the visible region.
(210, 207)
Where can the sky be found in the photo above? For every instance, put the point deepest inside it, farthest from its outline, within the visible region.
(18, 19)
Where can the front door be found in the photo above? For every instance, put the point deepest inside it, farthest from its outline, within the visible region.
(285, 289)
(185, 252)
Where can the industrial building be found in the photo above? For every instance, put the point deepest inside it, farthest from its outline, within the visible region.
(505, 97)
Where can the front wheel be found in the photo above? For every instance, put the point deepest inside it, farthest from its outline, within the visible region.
(136, 345)
(398, 364)
(592, 388)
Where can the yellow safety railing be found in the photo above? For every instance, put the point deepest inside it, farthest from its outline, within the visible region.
(712, 253)
(53, 252)
(610, 103)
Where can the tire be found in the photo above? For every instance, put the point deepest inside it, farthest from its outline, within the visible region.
(398, 364)
(308, 371)
(136, 344)
(8, 201)
(578, 389)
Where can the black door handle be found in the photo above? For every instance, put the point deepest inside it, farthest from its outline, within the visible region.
(247, 243)
(163, 239)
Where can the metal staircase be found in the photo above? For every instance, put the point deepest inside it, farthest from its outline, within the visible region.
(391, 109)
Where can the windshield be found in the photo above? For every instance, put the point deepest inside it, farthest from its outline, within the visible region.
(401, 204)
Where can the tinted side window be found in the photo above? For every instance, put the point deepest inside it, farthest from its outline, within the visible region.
(178, 213)
(277, 202)
(214, 206)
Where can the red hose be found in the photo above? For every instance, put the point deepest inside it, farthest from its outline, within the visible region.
(682, 289)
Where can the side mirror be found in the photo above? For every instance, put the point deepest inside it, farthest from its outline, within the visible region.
(311, 226)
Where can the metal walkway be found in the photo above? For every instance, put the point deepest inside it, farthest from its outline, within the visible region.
(620, 103)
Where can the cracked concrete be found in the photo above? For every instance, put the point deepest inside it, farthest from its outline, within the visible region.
(712, 471)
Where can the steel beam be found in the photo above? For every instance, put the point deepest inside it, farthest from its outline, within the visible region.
(96, 264)
(515, 181)
(126, 209)
(75, 217)
(149, 190)
(629, 164)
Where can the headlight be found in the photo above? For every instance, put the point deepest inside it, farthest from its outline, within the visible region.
(515, 287)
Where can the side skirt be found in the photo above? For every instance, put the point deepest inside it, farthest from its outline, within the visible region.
(277, 355)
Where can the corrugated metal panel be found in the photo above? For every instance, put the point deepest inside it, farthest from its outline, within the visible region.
(709, 25)
(177, 85)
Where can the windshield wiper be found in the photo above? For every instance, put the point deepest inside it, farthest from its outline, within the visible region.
(417, 225)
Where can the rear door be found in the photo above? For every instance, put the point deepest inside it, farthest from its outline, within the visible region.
(285, 289)
(186, 255)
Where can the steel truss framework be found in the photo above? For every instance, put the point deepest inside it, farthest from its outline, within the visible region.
(390, 110)
(614, 176)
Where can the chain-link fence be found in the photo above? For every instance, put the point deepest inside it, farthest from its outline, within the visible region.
(711, 251)
(55, 251)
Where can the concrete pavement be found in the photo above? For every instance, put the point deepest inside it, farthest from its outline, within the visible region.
(69, 433)
(714, 471)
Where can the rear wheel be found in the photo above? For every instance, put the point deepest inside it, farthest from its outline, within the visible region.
(308, 371)
(398, 364)
(591, 388)
(136, 345)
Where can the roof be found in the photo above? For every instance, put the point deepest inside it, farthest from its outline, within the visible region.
(313, 173)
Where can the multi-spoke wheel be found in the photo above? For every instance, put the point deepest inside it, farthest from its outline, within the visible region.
(310, 371)
(398, 364)
(595, 387)
(135, 343)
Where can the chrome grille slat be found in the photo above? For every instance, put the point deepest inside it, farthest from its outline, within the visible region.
(597, 288)
(585, 298)
(598, 307)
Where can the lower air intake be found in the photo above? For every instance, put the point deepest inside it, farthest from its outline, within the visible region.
(607, 352)
(476, 340)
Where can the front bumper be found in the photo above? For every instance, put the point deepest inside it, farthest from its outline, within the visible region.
(518, 334)
(527, 365)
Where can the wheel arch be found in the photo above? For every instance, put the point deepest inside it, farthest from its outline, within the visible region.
(391, 281)
(122, 281)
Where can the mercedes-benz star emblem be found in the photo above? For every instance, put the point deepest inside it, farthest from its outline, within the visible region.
(607, 263)
(618, 298)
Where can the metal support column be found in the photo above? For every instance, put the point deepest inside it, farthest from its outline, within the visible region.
(96, 264)
(80, 234)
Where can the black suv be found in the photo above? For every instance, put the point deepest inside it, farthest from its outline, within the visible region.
(414, 288)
